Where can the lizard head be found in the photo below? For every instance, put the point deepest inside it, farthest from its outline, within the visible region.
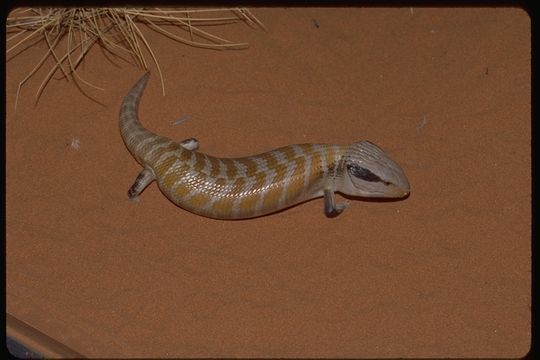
(369, 172)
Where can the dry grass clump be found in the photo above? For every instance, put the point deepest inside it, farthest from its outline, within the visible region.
(117, 30)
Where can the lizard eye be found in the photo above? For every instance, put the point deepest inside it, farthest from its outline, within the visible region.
(363, 173)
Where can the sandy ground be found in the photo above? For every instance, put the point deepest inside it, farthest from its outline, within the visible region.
(445, 272)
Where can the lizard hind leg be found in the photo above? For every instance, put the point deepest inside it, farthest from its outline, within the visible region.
(190, 144)
(144, 178)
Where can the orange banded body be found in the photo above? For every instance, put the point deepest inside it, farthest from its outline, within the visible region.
(236, 188)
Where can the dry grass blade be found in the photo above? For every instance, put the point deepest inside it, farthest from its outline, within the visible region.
(116, 30)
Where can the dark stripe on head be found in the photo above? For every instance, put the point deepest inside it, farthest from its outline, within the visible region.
(364, 174)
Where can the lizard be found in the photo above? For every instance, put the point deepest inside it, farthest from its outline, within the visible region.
(252, 186)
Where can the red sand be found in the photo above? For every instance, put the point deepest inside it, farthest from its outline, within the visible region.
(443, 273)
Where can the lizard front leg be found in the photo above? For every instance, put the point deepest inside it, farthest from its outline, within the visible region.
(331, 209)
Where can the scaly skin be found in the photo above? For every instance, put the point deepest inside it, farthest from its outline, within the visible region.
(255, 185)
